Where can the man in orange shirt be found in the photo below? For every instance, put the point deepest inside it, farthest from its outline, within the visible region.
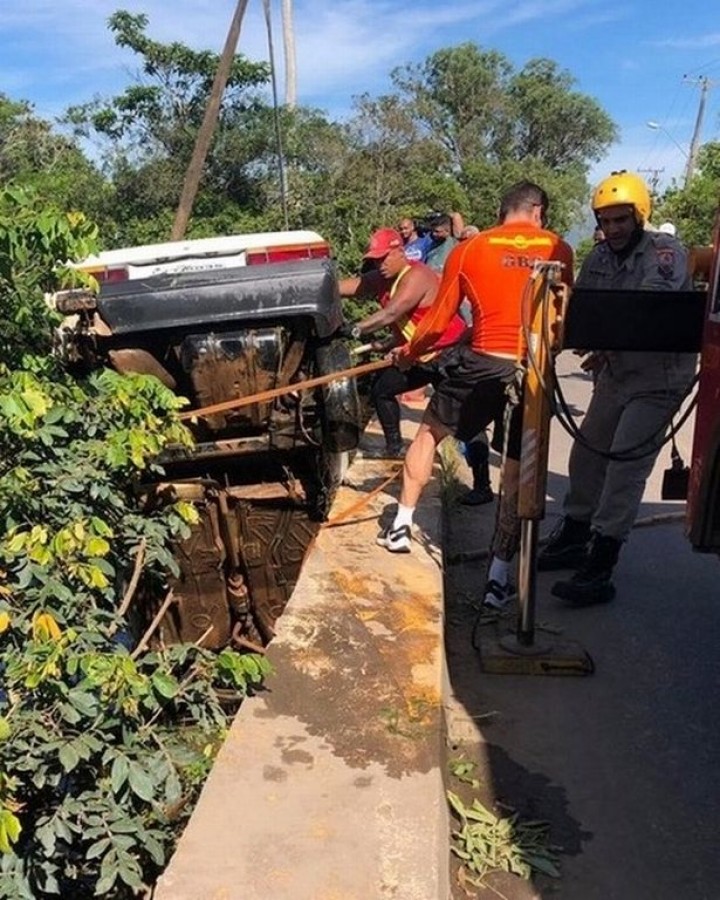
(492, 271)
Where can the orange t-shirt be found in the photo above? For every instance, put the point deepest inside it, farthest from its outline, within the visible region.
(492, 271)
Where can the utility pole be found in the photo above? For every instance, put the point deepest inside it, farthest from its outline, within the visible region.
(288, 26)
(705, 85)
(204, 137)
(276, 117)
(655, 173)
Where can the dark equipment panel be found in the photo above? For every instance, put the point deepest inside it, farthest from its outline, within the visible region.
(660, 321)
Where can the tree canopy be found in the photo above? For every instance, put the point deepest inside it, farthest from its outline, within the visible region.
(451, 134)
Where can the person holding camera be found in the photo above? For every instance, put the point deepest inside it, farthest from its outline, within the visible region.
(444, 230)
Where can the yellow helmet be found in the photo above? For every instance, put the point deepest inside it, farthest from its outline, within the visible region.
(623, 188)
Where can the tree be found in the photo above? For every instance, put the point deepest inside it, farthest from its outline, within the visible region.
(150, 128)
(33, 231)
(96, 777)
(495, 126)
(692, 209)
(52, 165)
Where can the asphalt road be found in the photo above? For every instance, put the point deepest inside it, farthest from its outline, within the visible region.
(625, 763)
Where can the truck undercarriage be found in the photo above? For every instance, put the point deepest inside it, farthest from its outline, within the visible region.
(261, 477)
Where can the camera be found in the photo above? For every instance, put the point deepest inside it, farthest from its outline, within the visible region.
(428, 222)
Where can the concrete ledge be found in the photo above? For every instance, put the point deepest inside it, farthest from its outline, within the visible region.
(330, 783)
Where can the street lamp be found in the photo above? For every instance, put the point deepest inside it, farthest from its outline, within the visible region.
(689, 156)
(656, 126)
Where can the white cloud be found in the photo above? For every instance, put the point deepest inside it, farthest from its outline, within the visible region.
(343, 48)
(697, 42)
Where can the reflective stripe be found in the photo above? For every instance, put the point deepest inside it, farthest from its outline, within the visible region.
(520, 242)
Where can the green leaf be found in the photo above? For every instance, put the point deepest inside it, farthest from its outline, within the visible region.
(10, 829)
(154, 849)
(84, 702)
(140, 782)
(98, 848)
(124, 826)
(166, 685)
(68, 757)
(105, 884)
(119, 773)
(542, 864)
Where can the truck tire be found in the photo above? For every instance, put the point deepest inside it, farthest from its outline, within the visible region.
(341, 415)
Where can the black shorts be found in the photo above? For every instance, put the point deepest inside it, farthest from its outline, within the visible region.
(473, 393)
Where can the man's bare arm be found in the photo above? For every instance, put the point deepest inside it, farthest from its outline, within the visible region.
(412, 290)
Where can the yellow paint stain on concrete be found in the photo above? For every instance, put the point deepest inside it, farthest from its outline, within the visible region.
(355, 583)
(321, 831)
(410, 644)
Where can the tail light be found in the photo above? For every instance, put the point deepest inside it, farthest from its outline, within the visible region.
(286, 254)
(110, 275)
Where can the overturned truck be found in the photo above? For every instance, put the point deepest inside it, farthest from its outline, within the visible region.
(218, 319)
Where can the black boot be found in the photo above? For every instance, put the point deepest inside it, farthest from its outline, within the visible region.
(477, 455)
(388, 412)
(394, 447)
(566, 545)
(592, 582)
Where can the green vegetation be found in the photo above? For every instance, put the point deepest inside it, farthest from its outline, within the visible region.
(451, 134)
(96, 777)
(485, 842)
(488, 843)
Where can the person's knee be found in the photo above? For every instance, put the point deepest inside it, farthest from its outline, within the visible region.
(434, 427)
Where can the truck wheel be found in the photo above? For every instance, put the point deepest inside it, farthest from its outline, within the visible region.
(341, 415)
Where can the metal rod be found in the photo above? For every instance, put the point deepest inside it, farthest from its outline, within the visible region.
(527, 581)
(205, 134)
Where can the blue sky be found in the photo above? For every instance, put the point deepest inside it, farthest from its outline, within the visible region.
(641, 59)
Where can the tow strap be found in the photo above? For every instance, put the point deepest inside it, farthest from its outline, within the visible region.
(271, 394)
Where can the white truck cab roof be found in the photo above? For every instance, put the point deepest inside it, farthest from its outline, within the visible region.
(203, 254)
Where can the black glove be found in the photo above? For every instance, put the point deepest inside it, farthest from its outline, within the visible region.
(347, 330)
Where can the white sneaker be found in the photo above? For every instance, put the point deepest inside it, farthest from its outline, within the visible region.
(396, 540)
(498, 596)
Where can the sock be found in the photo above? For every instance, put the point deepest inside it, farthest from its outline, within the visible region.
(403, 516)
(499, 571)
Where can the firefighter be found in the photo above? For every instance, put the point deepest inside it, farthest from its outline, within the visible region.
(491, 270)
(634, 398)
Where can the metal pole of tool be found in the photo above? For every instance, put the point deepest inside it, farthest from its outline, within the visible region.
(527, 569)
(541, 316)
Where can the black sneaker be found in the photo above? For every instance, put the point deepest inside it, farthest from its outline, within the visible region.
(390, 451)
(396, 540)
(566, 546)
(498, 596)
(395, 451)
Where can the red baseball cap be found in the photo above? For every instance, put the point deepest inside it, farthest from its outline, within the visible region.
(382, 242)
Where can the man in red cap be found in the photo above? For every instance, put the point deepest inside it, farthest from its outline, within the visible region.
(405, 290)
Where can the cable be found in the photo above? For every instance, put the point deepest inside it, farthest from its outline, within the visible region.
(557, 400)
